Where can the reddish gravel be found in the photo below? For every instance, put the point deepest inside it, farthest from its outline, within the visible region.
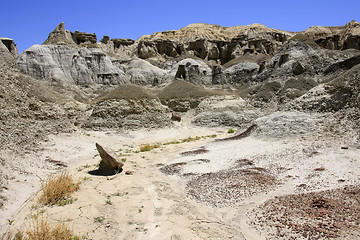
(316, 215)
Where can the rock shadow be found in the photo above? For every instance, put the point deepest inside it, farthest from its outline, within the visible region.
(105, 170)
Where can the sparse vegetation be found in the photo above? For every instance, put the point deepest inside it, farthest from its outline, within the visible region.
(148, 147)
(41, 229)
(99, 219)
(83, 167)
(180, 89)
(66, 201)
(126, 91)
(117, 194)
(85, 178)
(231, 130)
(58, 189)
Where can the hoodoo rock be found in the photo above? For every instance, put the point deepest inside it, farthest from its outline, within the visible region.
(8, 53)
(110, 162)
(9, 45)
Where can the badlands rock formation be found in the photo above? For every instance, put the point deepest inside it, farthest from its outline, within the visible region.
(214, 55)
(299, 89)
(266, 65)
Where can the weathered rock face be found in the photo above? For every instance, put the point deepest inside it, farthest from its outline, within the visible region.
(60, 36)
(336, 38)
(299, 66)
(129, 114)
(288, 124)
(341, 93)
(238, 73)
(141, 72)
(213, 55)
(8, 52)
(224, 111)
(66, 64)
(212, 42)
(191, 70)
(30, 110)
(9, 45)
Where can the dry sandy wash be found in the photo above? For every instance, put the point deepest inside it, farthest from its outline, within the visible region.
(255, 187)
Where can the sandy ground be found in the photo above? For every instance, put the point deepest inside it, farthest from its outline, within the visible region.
(155, 203)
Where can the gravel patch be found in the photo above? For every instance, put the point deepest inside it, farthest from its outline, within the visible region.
(227, 187)
(316, 215)
(173, 168)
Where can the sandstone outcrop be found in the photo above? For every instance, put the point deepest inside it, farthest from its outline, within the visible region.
(191, 70)
(61, 36)
(299, 66)
(141, 72)
(9, 45)
(8, 53)
(66, 64)
(229, 111)
(128, 106)
(213, 42)
(264, 64)
(343, 92)
(336, 38)
(128, 113)
(199, 53)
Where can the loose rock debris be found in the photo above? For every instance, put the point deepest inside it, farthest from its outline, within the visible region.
(225, 188)
(316, 215)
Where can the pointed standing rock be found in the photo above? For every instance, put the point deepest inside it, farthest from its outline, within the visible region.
(109, 158)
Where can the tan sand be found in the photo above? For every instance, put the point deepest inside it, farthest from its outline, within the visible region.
(152, 205)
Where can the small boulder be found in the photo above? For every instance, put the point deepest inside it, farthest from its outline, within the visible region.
(176, 117)
(109, 159)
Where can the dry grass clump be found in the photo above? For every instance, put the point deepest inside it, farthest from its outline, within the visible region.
(57, 189)
(148, 147)
(41, 229)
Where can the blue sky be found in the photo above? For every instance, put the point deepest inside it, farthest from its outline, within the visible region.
(30, 22)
